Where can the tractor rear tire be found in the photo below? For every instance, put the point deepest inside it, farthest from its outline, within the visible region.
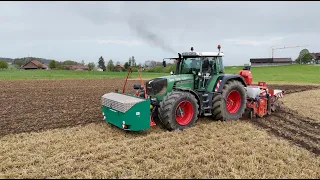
(231, 104)
(178, 110)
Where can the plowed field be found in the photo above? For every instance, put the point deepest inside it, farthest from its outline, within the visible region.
(28, 106)
(40, 137)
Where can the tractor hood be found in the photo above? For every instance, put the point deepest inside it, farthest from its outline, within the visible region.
(160, 86)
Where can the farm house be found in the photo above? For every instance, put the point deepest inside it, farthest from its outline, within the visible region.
(270, 61)
(316, 57)
(119, 67)
(34, 64)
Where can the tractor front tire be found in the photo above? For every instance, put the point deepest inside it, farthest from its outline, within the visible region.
(178, 110)
(231, 104)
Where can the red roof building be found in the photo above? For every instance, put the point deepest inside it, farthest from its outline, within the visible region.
(34, 64)
(119, 67)
(315, 55)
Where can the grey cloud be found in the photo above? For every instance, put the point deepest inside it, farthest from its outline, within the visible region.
(200, 18)
(172, 26)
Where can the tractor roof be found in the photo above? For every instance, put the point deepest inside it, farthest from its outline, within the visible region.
(202, 54)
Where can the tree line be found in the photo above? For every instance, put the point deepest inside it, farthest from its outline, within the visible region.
(305, 57)
(18, 62)
(63, 65)
(148, 66)
(113, 67)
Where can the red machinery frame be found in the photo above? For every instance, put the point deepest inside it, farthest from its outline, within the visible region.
(264, 103)
(152, 123)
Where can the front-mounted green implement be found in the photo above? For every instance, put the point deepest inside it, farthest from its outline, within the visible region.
(126, 111)
(198, 87)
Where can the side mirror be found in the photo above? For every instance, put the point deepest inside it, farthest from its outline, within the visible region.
(164, 63)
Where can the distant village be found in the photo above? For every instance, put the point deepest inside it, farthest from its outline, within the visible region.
(32, 63)
(35, 64)
(282, 61)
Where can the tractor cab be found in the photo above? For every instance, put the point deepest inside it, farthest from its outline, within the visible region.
(203, 65)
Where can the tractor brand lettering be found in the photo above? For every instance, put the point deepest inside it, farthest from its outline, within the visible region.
(178, 79)
(137, 113)
(184, 82)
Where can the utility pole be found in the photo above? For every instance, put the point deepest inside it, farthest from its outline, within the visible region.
(284, 47)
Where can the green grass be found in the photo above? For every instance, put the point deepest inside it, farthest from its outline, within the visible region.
(67, 74)
(290, 73)
(286, 74)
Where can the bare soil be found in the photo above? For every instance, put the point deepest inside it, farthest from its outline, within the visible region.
(293, 88)
(28, 106)
(287, 124)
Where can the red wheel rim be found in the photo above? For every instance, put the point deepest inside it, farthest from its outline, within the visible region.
(233, 101)
(184, 112)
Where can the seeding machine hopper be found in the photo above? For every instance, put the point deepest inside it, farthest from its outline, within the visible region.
(199, 87)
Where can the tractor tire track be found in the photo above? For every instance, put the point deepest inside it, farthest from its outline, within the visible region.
(297, 142)
(292, 127)
(295, 131)
(306, 127)
(303, 120)
(288, 124)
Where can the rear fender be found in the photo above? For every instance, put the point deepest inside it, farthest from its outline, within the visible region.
(224, 79)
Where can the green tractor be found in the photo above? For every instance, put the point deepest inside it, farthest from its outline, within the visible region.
(198, 87)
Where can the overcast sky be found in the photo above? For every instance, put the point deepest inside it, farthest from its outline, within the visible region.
(155, 30)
